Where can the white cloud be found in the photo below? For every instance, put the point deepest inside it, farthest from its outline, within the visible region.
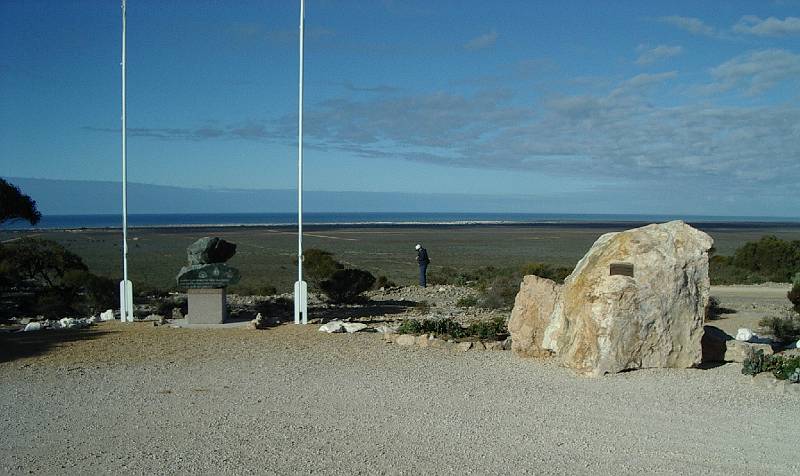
(690, 24)
(620, 135)
(648, 55)
(483, 41)
(757, 71)
(771, 26)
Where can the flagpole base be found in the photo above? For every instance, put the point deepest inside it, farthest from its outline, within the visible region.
(125, 301)
(300, 302)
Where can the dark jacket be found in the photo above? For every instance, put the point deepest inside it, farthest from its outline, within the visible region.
(422, 256)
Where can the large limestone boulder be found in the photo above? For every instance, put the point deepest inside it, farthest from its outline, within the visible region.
(649, 313)
(637, 299)
(533, 308)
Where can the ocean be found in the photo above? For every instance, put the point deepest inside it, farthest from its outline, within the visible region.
(376, 219)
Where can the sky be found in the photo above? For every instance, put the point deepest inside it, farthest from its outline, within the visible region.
(613, 107)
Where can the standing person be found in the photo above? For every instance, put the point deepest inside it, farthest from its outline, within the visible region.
(422, 261)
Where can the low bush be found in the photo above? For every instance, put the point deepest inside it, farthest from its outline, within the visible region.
(784, 328)
(447, 275)
(384, 282)
(722, 271)
(318, 265)
(258, 290)
(422, 307)
(452, 329)
(346, 285)
(772, 257)
(544, 270)
(794, 294)
(783, 368)
(469, 301)
(50, 280)
(499, 293)
(443, 327)
(488, 329)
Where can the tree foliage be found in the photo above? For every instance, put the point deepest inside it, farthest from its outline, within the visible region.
(345, 285)
(318, 265)
(46, 278)
(775, 259)
(15, 205)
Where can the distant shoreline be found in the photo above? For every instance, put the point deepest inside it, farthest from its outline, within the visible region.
(311, 226)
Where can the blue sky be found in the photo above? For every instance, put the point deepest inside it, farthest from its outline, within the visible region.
(651, 107)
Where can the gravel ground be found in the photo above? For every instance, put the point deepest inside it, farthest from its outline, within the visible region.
(150, 400)
(745, 305)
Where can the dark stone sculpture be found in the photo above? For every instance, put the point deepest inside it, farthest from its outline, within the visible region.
(206, 267)
(210, 250)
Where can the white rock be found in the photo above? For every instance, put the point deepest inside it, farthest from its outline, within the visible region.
(464, 346)
(352, 327)
(33, 326)
(384, 329)
(797, 345)
(406, 339)
(107, 316)
(68, 323)
(533, 308)
(72, 323)
(332, 327)
(744, 334)
(637, 299)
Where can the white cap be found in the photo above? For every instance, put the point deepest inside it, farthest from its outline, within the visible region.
(418, 246)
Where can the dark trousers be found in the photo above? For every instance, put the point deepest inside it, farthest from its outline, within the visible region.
(423, 268)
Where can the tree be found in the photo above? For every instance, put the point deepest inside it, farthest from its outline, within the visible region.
(15, 205)
(345, 285)
(46, 278)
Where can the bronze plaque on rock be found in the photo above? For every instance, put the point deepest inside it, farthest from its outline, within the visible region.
(622, 269)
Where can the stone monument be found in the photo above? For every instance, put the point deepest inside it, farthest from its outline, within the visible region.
(205, 279)
(637, 299)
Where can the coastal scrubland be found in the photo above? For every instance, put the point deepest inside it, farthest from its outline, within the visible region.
(266, 256)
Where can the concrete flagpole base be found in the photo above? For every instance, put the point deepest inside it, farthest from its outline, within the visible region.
(300, 302)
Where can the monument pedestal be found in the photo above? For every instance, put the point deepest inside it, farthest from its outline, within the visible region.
(207, 306)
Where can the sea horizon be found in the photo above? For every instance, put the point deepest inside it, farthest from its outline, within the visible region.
(177, 220)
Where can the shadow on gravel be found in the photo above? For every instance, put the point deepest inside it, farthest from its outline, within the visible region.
(17, 345)
(715, 311)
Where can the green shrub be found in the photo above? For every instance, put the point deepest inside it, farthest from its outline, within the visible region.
(469, 301)
(383, 282)
(52, 281)
(452, 329)
(442, 327)
(756, 362)
(783, 368)
(165, 306)
(447, 275)
(544, 270)
(794, 294)
(488, 329)
(776, 259)
(422, 307)
(721, 271)
(499, 293)
(259, 290)
(345, 285)
(318, 265)
(784, 328)
(100, 293)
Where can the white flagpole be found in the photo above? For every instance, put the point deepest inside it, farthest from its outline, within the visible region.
(125, 287)
(300, 287)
